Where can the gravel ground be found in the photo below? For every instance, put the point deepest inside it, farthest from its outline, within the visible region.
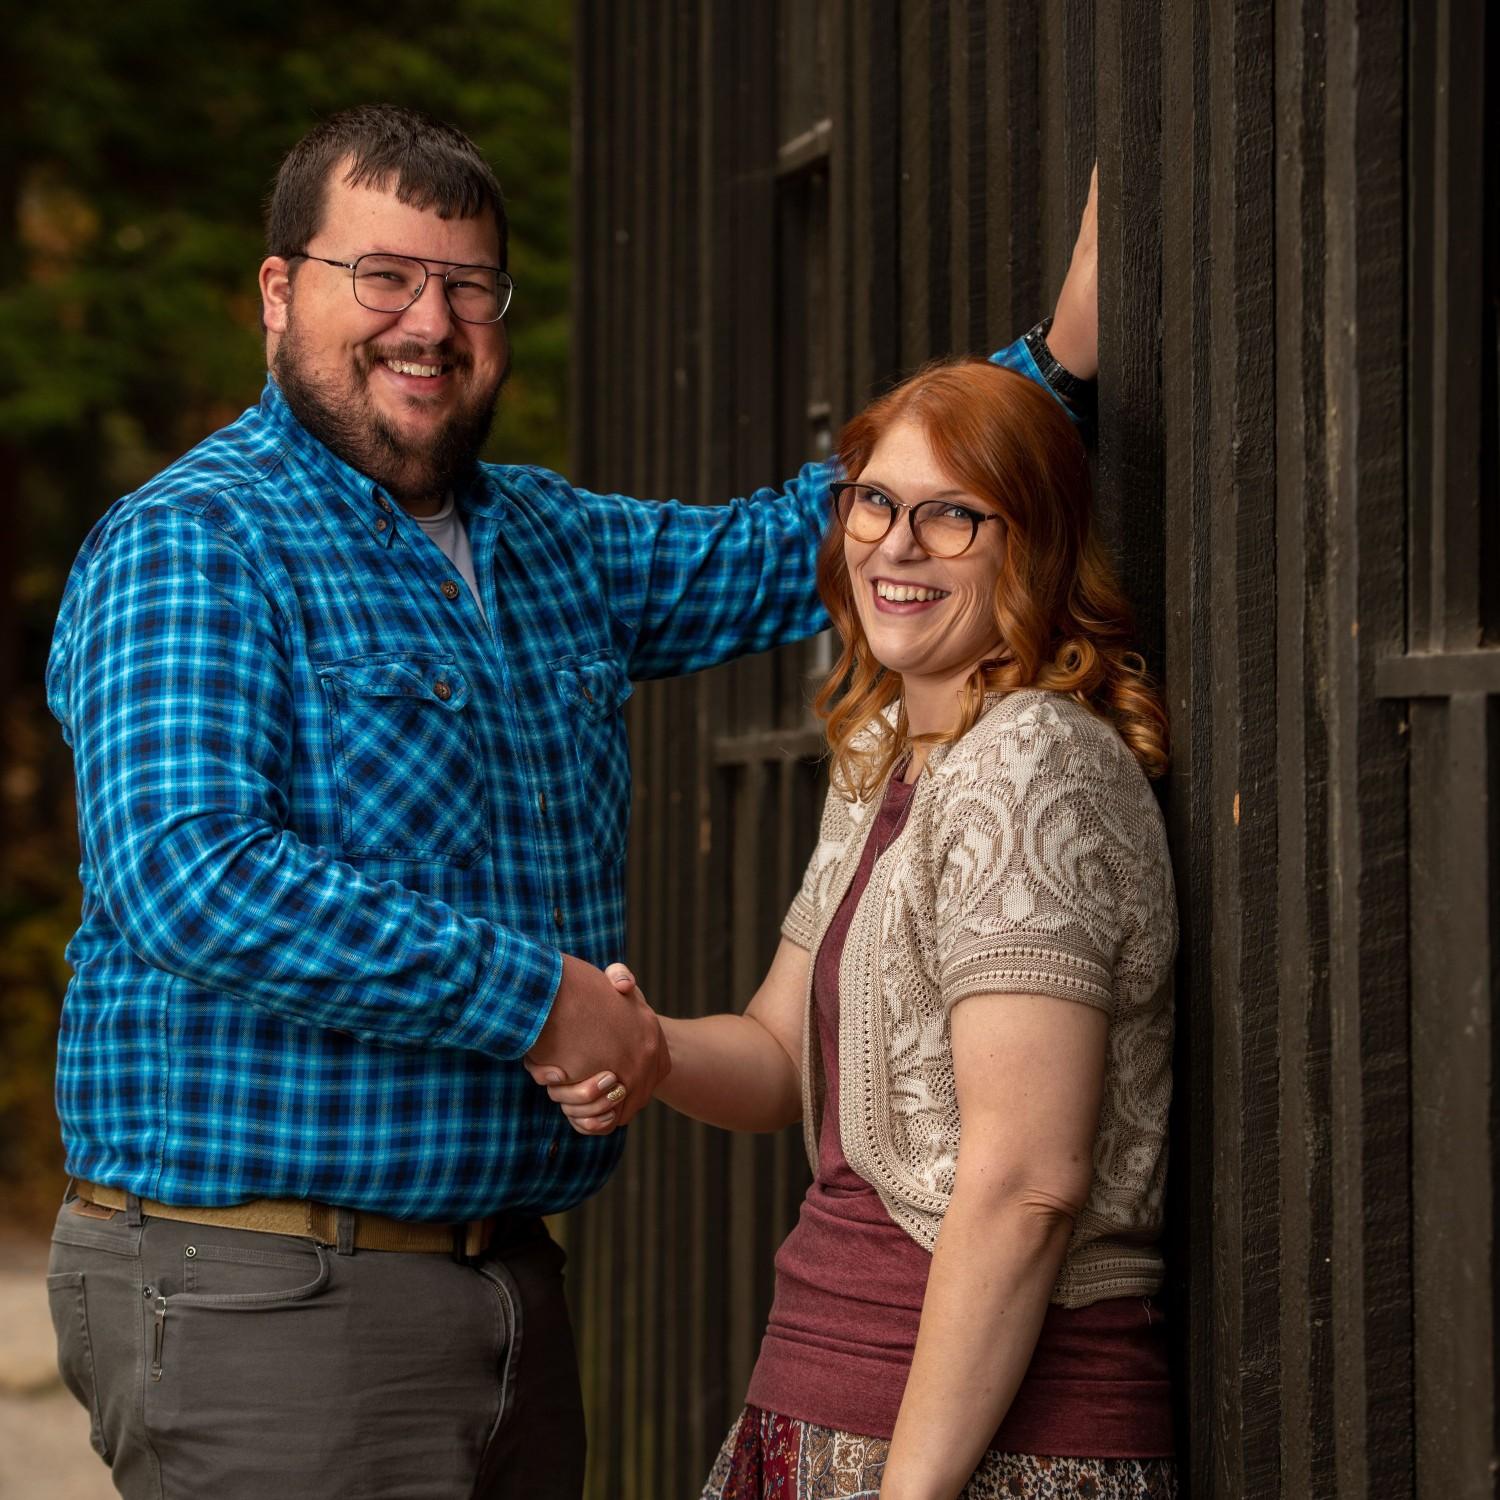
(44, 1433)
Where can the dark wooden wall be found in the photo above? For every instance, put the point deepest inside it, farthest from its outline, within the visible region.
(782, 206)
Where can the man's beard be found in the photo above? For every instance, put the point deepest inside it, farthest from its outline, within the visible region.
(348, 422)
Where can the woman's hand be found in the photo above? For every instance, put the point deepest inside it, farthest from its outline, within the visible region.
(1074, 335)
(591, 1106)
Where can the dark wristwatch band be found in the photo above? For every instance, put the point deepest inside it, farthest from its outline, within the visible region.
(1077, 393)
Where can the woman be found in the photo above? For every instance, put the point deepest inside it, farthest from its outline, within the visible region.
(968, 1008)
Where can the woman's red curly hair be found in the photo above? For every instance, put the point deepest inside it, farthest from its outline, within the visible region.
(1065, 623)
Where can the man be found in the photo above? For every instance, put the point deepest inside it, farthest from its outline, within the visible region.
(353, 789)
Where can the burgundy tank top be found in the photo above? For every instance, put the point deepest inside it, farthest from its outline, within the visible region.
(850, 1283)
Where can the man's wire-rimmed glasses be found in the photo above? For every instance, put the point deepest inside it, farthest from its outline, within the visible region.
(391, 283)
(940, 528)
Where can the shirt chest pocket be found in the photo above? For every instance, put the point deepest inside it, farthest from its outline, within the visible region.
(406, 759)
(593, 689)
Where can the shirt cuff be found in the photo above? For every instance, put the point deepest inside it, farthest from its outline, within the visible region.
(511, 1002)
(1031, 357)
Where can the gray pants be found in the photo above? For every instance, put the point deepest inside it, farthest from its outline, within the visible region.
(235, 1365)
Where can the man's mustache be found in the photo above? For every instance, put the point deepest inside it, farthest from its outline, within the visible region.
(448, 354)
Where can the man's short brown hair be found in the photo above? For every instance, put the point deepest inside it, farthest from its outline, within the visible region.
(427, 164)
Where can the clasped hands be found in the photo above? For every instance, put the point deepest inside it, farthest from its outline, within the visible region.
(601, 1054)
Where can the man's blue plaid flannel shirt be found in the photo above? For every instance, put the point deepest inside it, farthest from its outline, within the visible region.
(336, 829)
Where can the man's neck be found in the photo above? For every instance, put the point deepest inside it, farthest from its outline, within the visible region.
(425, 506)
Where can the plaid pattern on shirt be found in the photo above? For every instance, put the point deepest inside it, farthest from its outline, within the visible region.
(336, 829)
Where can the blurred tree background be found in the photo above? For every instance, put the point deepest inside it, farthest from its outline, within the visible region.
(143, 140)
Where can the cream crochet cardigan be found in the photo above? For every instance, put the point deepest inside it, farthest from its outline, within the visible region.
(1033, 861)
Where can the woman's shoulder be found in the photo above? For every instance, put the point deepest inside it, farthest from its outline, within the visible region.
(1043, 763)
(1033, 731)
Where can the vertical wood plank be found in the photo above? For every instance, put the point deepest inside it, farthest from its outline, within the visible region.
(1370, 1094)
(965, 211)
(1188, 415)
(876, 261)
(1241, 459)
(1454, 822)
(1488, 229)
(1453, 749)
(1446, 324)
(843, 228)
(588, 174)
(935, 206)
(1067, 130)
(1306, 1325)
(1011, 159)
(914, 220)
(1130, 433)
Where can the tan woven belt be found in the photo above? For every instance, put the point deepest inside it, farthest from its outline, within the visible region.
(317, 1221)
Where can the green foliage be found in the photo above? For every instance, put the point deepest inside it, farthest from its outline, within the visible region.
(148, 136)
(141, 141)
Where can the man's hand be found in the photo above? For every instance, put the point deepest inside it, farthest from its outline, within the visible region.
(1074, 335)
(600, 1029)
(594, 1105)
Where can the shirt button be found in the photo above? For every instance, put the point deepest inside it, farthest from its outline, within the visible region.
(552, 1151)
(441, 689)
(450, 589)
(383, 503)
(557, 915)
(541, 802)
(381, 523)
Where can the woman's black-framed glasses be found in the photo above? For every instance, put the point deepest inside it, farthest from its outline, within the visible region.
(391, 283)
(941, 528)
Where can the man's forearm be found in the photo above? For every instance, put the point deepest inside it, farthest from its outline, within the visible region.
(252, 912)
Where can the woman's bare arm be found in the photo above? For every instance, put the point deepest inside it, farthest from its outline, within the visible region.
(1074, 335)
(1030, 1074)
(740, 1072)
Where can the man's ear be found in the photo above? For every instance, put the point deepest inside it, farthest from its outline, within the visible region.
(275, 292)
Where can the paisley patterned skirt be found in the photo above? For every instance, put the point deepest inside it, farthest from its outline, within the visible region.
(771, 1457)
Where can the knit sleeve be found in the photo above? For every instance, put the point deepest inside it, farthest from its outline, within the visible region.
(801, 924)
(1037, 854)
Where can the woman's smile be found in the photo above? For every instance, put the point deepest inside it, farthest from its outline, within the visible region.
(894, 596)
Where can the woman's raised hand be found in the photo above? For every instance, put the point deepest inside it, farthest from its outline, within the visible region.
(1074, 335)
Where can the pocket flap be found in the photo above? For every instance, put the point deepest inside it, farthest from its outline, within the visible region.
(433, 678)
(594, 686)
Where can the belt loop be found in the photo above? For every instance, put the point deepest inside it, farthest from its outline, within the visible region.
(344, 1219)
(132, 1210)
